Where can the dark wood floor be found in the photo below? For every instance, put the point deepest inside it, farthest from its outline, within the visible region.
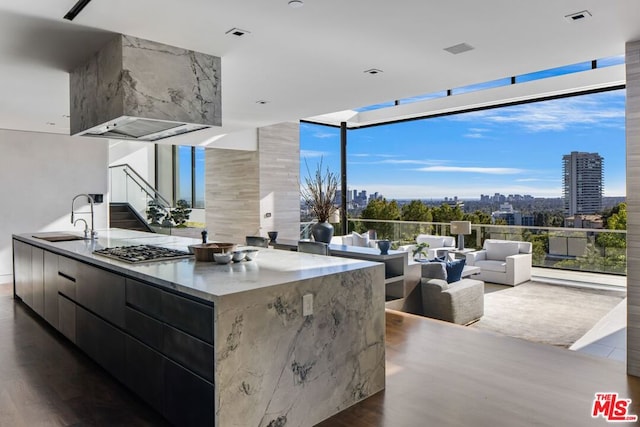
(438, 374)
(45, 381)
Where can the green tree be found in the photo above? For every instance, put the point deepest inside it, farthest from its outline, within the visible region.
(477, 217)
(416, 211)
(446, 213)
(381, 209)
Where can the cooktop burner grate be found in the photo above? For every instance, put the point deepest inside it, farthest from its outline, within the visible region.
(141, 253)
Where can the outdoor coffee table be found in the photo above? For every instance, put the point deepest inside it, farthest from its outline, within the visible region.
(470, 270)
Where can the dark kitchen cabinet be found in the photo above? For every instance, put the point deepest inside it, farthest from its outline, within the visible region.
(101, 292)
(67, 317)
(37, 280)
(51, 288)
(156, 342)
(144, 372)
(101, 341)
(188, 398)
(23, 286)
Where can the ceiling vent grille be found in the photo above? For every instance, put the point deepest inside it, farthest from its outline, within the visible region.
(237, 32)
(578, 16)
(459, 48)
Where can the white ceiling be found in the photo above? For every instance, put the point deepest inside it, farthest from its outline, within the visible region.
(305, 61)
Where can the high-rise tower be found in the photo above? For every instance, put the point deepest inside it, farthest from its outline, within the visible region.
(583, 183)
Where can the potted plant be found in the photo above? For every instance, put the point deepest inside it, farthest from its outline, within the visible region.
(318, 192)
(180, 214)
(419, 251)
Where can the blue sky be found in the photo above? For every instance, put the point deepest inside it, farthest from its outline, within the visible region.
(510, 150)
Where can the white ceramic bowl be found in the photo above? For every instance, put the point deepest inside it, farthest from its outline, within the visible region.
(238, 256)
(223, 258)
(251, 254)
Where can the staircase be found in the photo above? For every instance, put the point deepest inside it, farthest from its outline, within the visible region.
(122, 215)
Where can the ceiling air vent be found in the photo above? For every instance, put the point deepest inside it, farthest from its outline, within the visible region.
(578, 16)
(459, 48)
(237, 32)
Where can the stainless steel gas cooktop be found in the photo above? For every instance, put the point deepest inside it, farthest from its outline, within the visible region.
(141, 253)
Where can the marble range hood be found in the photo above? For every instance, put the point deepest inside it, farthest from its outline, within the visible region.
(142, 90)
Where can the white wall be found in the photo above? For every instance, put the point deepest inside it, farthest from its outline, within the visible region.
(39, 175)
(141, 157)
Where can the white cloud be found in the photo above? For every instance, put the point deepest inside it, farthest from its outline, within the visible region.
(472, 169)
(474, 135)
(557, 115)
(311, 154)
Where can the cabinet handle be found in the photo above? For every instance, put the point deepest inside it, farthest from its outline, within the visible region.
(66, 276)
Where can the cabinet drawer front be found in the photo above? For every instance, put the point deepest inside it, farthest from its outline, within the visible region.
(68, 267)
(145, 298)
(101, 292)
(192, 353)
(145, 328)
(188, 399)
(67, 317)
(189, 316)
(51, 288)
(144, 372)
(101, 341)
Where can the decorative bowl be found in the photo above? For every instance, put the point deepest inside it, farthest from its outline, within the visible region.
(222, 258)
(205, 251)
(251, 254)
(238, 256)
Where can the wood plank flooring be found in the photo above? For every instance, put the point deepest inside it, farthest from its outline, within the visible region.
(438, 374)
(46, 381)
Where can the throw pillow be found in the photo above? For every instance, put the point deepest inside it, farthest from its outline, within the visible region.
(360, 239)
(454, 270)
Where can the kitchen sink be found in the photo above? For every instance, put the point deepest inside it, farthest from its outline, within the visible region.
(57, 237)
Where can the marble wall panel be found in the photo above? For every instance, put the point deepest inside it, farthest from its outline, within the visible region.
(633, 205)
(275, 367)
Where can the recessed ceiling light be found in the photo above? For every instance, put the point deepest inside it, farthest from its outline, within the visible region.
(296, 3)
(373, 71)
(262, 102)
(459, 48)
(578, 16)
(237, 32)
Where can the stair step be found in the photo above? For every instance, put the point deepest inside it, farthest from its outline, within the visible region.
(122, 216)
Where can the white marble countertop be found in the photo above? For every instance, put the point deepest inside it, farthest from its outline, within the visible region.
(206, 280)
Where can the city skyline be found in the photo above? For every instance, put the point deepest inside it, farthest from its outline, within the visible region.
(509, 150)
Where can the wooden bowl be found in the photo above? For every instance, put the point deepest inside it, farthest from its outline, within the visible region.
(205, 251)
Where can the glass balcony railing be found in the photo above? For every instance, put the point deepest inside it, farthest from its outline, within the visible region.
(576, 249)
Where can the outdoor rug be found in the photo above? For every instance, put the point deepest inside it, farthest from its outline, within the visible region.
(549, 314)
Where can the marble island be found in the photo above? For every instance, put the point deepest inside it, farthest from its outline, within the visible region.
(209, 344)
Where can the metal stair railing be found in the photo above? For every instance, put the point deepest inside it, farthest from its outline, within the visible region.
(142, 197)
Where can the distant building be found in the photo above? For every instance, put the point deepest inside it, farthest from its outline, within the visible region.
(511, 216)
(584, 221)
(583, 183)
